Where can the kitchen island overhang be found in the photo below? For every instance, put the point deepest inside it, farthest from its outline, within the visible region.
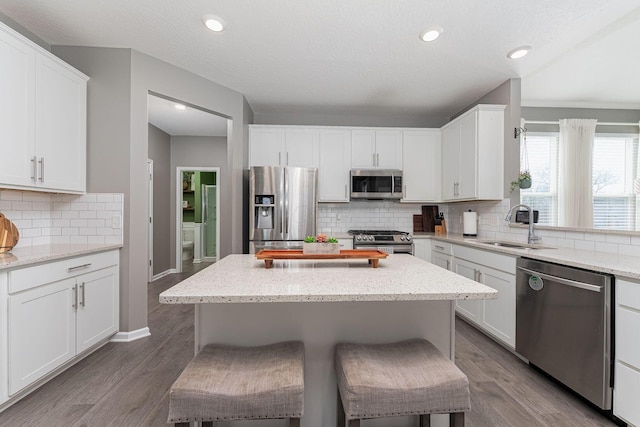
(239, 302)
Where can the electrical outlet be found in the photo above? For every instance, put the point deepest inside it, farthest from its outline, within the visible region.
(116, 222)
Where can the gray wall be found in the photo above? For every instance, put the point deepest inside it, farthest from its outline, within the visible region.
(160, 153)
(108, 160)
(602, 115)
(118, 130)
(348, 118)
(507, 94)
(195, 151)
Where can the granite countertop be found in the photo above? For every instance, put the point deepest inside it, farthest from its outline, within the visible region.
(244, 279)
(616, 264)
(20, 257)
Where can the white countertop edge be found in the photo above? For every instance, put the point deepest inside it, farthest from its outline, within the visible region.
(244, 299)
(604, 262)
(21, 257)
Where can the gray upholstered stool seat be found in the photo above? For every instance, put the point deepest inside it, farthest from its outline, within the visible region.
(225, 383)
(405, 378)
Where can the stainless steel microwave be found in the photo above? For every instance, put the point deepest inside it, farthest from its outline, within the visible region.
(376, 184)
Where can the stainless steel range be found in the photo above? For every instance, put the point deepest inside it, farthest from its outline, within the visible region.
(389, 241)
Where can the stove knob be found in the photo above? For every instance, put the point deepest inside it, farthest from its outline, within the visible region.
(371, 238)
(358, 238)
(402, 238)
(408, 237)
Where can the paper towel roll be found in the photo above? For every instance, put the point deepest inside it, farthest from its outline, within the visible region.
(470, 224)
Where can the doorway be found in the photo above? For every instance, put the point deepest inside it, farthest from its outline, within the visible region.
(192, 138)
(197, 215)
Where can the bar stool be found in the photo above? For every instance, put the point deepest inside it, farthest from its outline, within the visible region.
(405, 378)
(228, 383)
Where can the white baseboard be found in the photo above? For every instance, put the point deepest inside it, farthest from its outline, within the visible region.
(164, 273)
(130, 336)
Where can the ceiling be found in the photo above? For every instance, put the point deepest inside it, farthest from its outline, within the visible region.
(190, 121)
(364, 56)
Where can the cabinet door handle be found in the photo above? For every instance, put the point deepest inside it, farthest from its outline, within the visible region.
(41, 161)
(377, 159)
(79, 267)
(82, 294)
(374, 159)
(279, 158)
(404, 192)
(345, 191)
(34, 168)
(75, 297)
(448, 264)
(287, 159)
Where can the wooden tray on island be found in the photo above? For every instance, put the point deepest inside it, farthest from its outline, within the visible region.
(268, 255)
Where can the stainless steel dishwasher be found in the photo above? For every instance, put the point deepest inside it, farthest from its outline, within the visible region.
(563, 326)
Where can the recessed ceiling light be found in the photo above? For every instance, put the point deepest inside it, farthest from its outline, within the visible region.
(430, 34)
(214, 23)
(180, 107)
(519, 52)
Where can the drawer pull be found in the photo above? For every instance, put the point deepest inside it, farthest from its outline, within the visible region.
(79, 267)
(439, 247)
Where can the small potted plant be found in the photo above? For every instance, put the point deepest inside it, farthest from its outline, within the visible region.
(320, 244)
(523, 181)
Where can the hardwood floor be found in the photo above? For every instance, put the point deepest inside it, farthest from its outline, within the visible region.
(127, 384)
(507, 392)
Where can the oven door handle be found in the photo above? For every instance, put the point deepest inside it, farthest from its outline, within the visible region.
(563, 281)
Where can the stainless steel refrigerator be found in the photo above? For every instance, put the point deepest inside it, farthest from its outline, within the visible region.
(282, 207)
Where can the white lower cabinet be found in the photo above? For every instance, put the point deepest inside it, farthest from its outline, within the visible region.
(496, 317)
(422, 249)
(626, 388)
(56, 311)
(42, 332)
(470, 309)
(346, 243)
(441, 254)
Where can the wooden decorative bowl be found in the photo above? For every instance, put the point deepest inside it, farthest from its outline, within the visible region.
(9, 235)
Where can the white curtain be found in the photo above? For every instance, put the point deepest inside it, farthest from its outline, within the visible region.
(575, 188)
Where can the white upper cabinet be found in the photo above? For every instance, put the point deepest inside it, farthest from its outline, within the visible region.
(266, 145)
(421, 165)
(283, 146)
(376, 149)
(43, 118)
(335, 164)
(61, 117)
(301, 147)
(473, 155)
(17, 86)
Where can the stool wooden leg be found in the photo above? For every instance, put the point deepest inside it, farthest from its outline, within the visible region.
(294, 422)
(354, 423)
(182, 424)
(341, 417)
(425, 420)
(207, 424)
(456, 419)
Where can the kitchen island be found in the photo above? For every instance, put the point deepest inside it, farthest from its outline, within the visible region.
(239, 302)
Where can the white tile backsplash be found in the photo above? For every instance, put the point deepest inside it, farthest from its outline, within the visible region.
(340, 217)
(45, 218)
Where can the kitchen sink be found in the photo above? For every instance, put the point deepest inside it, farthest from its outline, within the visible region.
(513, 245)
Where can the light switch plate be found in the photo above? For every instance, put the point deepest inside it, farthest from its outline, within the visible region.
(116, 222)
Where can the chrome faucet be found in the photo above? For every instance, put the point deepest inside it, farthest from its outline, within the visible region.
(532, 237)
